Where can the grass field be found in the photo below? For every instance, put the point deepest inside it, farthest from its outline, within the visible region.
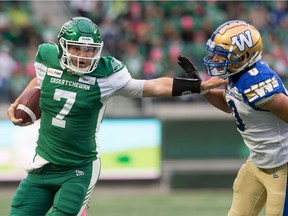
(137, 200)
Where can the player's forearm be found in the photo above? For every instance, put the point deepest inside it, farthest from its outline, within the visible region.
(159, 87)
(216, 98)
(167, 87)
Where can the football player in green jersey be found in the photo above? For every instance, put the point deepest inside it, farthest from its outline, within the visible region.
(76, 84)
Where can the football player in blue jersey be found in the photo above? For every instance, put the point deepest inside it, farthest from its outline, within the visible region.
(76, 84)
(258, 101)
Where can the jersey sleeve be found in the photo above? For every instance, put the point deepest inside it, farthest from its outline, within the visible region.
(124, 85)
(259, 90)
(133, 88)
(119, 79)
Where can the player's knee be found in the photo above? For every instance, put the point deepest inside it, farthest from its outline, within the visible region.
(70, 201)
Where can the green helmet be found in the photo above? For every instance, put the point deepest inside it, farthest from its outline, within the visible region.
(80, 34)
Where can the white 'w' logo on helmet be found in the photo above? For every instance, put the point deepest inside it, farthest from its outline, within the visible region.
(241, 39)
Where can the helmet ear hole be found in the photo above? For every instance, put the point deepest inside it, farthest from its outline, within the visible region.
(245, 56)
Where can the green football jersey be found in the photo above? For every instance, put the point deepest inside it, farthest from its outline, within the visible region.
(73, 106)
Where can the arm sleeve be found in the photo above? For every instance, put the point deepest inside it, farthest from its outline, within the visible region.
(125, 85)
(133, 88)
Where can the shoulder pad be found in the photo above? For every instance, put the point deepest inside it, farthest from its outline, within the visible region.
(262, 89)
(108, 65)
(47, 54)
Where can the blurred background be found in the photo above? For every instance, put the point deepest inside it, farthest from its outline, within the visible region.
(146, 35)
(195, 146)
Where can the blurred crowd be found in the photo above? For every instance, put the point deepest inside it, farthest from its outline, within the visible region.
(146, 35)
(21, 33)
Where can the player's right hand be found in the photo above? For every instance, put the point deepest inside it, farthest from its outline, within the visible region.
(11, 116)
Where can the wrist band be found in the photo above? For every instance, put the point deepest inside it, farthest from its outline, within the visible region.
(182, 86)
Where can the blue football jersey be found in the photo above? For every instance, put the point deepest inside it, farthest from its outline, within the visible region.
(259, 128)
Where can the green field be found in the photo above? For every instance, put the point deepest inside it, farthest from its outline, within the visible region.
(146, 200)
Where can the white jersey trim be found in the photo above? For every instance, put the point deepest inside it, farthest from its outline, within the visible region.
(40, 72)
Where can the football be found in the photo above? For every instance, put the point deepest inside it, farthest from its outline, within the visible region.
(28, 108)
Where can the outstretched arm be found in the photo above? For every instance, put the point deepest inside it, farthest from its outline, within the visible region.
(166, 86)
(158, 87)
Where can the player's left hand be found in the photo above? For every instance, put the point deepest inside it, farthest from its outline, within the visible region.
(192, 73)
(213, 82)
(189, 68)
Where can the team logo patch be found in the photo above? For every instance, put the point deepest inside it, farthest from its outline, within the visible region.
(87, 80)
(186, 93)
(54, 72)
(261, 89)
(79, 172)
(116, 65)
(243, 39)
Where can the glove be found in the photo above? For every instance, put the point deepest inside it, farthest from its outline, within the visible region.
(190, 70)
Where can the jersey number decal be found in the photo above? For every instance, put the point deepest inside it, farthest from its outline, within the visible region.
(71, 97)
(239, 121)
